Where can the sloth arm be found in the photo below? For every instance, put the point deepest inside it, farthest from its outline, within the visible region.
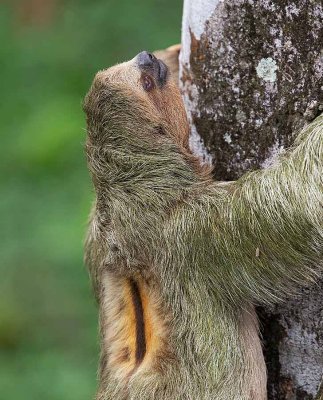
(262, 237)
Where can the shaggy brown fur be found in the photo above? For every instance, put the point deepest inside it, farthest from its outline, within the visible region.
(177, 261)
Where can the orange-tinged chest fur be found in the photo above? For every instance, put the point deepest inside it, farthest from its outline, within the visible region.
(134, 325)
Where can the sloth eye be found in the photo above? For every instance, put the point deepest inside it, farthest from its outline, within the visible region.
(148, 83)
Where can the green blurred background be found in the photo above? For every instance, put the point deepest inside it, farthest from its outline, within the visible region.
(49, 52)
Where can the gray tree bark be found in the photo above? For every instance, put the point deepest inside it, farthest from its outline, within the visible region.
(251, 72)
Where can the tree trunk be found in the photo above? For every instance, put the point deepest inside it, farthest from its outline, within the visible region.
(251, 75)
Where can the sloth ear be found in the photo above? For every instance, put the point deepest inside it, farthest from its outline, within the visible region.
(160, 130)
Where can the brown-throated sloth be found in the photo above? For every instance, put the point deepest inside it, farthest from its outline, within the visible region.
(179, 261)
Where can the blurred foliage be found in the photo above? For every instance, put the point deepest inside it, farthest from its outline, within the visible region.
(48, 319)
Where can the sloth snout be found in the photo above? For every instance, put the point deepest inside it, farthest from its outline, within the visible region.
(146, 60)
(148, 63)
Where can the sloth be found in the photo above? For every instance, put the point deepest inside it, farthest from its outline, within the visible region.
(179, 262)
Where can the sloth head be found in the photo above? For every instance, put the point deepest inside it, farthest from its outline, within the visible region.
(136, 124)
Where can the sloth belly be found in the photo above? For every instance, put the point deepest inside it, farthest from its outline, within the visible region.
(133, 324)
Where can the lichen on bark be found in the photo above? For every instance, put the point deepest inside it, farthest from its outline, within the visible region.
(251, 73)
(241, 112)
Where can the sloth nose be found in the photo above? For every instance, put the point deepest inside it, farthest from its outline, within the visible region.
(146, 59)
(148, 63)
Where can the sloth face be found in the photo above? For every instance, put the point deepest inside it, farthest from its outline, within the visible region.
(138, 102)
(153, 71)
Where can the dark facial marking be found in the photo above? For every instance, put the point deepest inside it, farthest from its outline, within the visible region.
(147, 82)
(148, 63)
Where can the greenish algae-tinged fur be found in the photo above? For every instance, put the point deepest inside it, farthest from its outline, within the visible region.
(215, 250)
